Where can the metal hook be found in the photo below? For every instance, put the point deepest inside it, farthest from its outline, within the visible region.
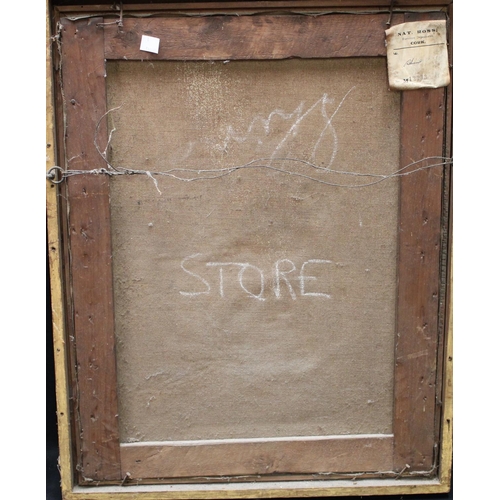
(389, 21)
(51, 175)
(120, 22)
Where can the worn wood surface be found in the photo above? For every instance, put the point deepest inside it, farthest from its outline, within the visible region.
(446, 437)
(271, 489)
(54, 251)
(249, 37)
(446, 420)
(418, 287)
(72, 6)
(90, 265)
(443, 420)
(67, 328)
(420, 246)
(265, 456)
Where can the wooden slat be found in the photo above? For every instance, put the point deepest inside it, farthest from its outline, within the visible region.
(446, 421)
(249, 37)
(72, 5)
(422, 120)
(54, 240)
(263, 456)
(419, 276)
(90, 240)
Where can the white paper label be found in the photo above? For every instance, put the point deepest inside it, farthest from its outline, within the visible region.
(150, 44)
(417, 55)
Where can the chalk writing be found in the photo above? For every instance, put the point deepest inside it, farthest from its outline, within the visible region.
(193, 294)
(280, 275)
(261, 127)
(283, 165)
(243, 267)
(303, 278)
(283, 273)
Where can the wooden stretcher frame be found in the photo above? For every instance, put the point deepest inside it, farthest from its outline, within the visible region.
(417, 457)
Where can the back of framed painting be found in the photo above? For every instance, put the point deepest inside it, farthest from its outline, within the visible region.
(253, 254)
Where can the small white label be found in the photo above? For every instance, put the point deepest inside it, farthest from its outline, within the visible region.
(417, 55)
(150, 44)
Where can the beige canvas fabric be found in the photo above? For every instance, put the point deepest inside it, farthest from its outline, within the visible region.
(258, 301)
